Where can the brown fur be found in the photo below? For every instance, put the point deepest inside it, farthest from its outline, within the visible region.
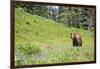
(76, 39)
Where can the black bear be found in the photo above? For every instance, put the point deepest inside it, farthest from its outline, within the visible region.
(76, 39)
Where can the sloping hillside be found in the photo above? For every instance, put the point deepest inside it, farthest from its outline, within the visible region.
(41, 40)
(34, 27)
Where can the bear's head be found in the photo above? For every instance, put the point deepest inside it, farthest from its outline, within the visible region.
(72, 35)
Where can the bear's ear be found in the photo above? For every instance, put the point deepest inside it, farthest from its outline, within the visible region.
(71, 35)
(74, 33)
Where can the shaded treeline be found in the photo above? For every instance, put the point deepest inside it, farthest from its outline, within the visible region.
(79, 17)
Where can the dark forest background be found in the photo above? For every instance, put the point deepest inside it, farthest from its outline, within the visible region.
(79, 17)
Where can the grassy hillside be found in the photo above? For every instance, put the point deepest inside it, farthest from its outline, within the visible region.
(41, 41)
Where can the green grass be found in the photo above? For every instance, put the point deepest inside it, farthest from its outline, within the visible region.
(44, 41)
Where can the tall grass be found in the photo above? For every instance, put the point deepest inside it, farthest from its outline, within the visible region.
(43, 41)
